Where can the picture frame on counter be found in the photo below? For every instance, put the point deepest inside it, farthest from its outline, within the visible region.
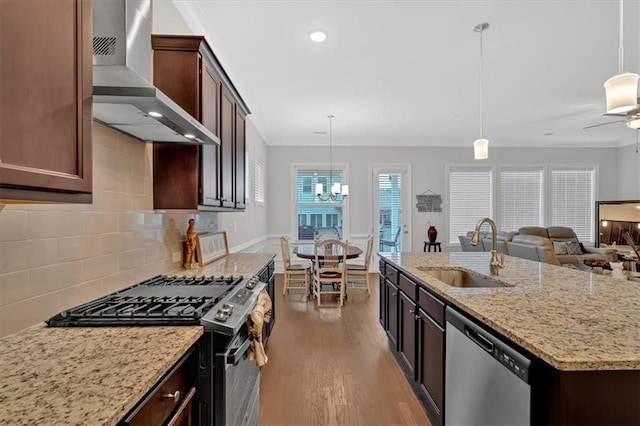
(211, 246)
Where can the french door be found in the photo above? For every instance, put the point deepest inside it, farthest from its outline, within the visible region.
(391, 207)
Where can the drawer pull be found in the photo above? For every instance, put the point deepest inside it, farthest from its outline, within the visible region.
(175, 396)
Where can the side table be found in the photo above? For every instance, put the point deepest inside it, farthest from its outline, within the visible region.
(428, 245)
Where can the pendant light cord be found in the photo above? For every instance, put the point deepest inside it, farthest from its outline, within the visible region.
(621, 48)
(330, 152)
(481, 80)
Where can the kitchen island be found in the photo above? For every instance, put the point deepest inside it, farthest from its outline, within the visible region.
(583, 329)
(96, 375)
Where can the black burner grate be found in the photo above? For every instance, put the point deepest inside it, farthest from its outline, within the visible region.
(160, 300)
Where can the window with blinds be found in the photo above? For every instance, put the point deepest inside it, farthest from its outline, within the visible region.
(258, 184)
(521, 198)
(573, 200)
(470, 198)
(315, 215)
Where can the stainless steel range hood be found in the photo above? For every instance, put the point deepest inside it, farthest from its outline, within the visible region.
(123, 97)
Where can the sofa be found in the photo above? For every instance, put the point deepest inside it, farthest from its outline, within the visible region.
(502, 238)
(548, 245)
(558, 245)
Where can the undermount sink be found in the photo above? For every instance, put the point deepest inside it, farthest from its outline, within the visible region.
(462, 278)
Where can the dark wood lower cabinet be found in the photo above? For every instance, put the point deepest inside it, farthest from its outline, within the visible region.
(392, 313)
(169, 401)
(407, 345)
(382, 315)
(431, 364)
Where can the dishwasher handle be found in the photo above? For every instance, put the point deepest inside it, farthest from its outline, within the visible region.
(479, 339)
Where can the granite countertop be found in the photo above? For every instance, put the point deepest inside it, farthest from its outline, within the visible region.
(573, 320)
(81, 376)
(95, 375)
(247, 264)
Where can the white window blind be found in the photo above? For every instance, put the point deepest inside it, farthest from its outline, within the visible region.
(573, 201)
(315, 215)
(258, 187)
(470, 198)
(521, 198)
(390, 202)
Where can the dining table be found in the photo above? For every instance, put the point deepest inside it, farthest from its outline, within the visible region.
(308, 252)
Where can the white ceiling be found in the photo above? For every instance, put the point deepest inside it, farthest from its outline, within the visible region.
(407, 73)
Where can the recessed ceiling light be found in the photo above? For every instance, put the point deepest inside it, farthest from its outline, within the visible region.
(189, 136)
(548, 134)
(155, 114)
(318, 36)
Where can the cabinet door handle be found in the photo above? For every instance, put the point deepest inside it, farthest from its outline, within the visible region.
(394, 294)
(175, 396)
(411, 311)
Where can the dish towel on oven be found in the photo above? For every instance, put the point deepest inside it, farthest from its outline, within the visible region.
(261, 313)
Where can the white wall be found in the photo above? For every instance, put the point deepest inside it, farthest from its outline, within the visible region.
(428, 168)
(628, 173)
(246, 230)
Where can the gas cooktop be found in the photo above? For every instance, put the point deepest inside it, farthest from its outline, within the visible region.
(220, 303)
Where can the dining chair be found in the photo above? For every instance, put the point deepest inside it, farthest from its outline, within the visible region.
(358, 274)
(296, 275)
(330, 269)
(391, 243)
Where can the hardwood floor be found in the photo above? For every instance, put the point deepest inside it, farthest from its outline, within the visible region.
(333, 366)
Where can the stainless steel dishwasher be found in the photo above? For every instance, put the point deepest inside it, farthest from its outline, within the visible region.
(486, 381)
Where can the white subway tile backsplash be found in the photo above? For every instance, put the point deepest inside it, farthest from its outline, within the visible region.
(131, 221)
(102, 223)
(118, 281)
(54, 277)
(148, 238)
(43, 252)
(131, 259)
(130, 184)
(23, 314)
(117, 242)
(81, 293)
(15, 256)
(82, 247)
(13, 225)
(101, 266)
(14, 287)
(55, 256)
(44, 224)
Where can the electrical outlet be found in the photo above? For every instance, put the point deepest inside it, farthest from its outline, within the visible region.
(176, 256)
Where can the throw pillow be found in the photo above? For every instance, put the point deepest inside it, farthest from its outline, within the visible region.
(573, 247)
(560, 247)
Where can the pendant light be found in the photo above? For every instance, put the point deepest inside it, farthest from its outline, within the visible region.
(621, 90)
(334, 188)
(481, 146)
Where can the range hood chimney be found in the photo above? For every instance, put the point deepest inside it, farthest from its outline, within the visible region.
(123, 97)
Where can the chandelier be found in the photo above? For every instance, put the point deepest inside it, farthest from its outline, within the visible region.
(481, 146)
(334, 188)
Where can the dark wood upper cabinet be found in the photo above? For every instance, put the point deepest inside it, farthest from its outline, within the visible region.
(199, 177)
(46, 100)
(240, 160)
(227, 141)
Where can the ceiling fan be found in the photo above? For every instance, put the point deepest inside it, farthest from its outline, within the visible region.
(631, 118)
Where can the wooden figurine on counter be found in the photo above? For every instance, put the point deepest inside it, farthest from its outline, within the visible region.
(190, 247)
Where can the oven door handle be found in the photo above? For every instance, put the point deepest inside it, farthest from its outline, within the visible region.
(234, 355)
